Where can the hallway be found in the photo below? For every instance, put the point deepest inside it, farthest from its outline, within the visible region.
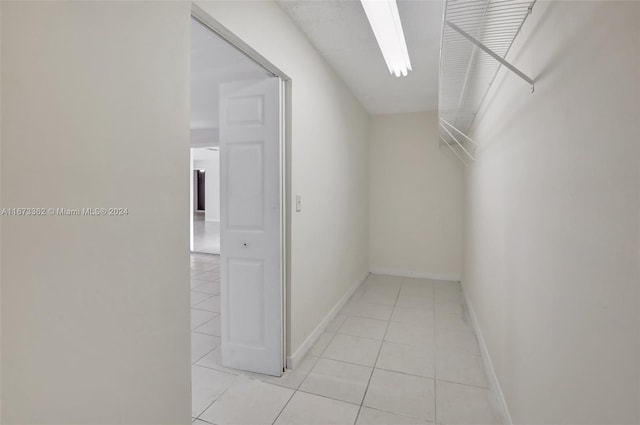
(401, 351)
(206, 234)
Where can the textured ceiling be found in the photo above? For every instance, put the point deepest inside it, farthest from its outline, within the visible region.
(339, 30)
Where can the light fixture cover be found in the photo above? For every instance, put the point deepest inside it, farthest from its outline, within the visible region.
(385, 22)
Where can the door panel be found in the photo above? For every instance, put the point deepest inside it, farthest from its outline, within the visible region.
(248, 293)
(250, 233)
(247, 187)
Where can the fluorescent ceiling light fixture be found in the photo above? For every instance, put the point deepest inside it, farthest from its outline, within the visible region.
(385, 22)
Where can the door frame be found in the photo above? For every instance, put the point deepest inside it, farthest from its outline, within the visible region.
(216, 27)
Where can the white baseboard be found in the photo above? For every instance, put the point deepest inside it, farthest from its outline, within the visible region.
(294, 360)
(410, 273)
(498, 396)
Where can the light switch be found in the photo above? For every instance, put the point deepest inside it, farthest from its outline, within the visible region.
(298, 203)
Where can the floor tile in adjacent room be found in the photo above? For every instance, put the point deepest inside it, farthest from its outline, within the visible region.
(403, 394)
(197, 297)
(202, 344)
(363, 327)
(198, 258)
(203, 267)
(248, 402)
(211, 275)
(195, 273)
(309, 409)
(195, 282)
(205, 287)
(339, 380)
(406, 359)
(464, 405)
(198, 317)
(353, 349)
(211, 327)
(211, 304)
(370, 416)
(213, 360)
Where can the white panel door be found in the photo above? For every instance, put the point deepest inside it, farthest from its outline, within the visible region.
(251, 226)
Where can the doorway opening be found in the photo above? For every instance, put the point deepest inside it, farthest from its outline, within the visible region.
(205, 166)
(237, 211)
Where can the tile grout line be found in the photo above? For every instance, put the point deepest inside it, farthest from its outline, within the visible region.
(433, 378)
(202, 420)
(328, 397)
(308, 372)
(199, 271)
(205, 355)
(204, 333)
(319, 356)
(215, 399)
(204, 299)
(208, 311)
(373, 369)
(284, 407)
(219, 395)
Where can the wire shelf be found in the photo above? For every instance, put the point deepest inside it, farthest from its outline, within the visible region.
(476, 37)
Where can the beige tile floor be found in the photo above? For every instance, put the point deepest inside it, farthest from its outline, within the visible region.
(400, 352)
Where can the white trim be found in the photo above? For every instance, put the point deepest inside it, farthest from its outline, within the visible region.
(453, 277)
(213, 220)
(294, 360)
(284, 228)
(206, 19)
(498, 396)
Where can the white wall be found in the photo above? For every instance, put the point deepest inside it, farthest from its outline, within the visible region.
(329, 164)
(415, 199)
(552, 218)
(211, 185)
(95, 310)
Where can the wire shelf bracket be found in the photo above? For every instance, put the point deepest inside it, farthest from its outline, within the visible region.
(493, 55)
(477, 35)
